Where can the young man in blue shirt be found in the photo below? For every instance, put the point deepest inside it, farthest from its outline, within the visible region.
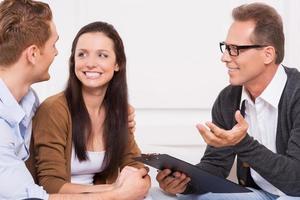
(27, 45)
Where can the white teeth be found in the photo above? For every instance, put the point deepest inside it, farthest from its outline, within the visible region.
(92, 74)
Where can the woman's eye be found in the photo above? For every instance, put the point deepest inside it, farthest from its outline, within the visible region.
(81, 54)
(103, 55)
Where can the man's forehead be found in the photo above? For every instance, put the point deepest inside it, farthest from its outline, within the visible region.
(240, 32)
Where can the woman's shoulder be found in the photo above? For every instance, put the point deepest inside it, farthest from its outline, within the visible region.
(54, 104)
(55, 100)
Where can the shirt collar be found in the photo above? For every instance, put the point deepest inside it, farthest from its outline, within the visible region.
(273, 91)
(29, 103)
(14, 112)
(245, 97)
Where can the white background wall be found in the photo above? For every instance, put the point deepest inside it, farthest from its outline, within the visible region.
(174, 67)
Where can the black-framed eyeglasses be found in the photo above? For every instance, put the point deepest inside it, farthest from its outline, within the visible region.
(234, 50)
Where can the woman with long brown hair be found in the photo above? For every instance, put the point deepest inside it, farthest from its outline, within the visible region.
(81, 136)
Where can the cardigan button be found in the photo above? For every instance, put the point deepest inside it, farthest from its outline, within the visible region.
(245, 164)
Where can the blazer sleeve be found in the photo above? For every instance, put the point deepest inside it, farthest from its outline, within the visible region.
(50, 131)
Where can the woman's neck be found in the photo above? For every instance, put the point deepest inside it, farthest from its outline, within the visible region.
(93, 99)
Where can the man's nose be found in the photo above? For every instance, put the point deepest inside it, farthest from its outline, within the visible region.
(225, 56)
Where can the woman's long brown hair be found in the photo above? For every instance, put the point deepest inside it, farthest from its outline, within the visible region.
(115, 102)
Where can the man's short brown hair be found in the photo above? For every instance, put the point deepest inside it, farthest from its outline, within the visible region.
(22, 23)
(268, 26)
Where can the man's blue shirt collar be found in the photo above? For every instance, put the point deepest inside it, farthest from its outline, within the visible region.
(13, 112)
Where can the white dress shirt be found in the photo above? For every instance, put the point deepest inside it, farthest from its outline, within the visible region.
(262, 116)
(16, 181)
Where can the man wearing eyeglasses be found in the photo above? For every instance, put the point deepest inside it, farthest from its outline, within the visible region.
(256, 118)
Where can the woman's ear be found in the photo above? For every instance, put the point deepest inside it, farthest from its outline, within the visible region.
(32, 53)
(269, 54)
(117, 68)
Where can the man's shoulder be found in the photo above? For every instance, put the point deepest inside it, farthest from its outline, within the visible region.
(228, 100)
(7, 132)
(292, 87)
(293, 76)
(231, 93)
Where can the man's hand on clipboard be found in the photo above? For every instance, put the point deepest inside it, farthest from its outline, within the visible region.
(172, 182)
(177, 176)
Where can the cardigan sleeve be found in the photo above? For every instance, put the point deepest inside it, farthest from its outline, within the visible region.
(218, 161)
(132, 150)
(50, 131)
(281, 169)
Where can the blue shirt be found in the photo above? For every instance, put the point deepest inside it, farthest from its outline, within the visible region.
(16, 181)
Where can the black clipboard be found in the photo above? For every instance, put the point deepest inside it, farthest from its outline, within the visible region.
(201, 181)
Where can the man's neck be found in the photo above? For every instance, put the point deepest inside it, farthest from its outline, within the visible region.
(16, 81)
(256, 87)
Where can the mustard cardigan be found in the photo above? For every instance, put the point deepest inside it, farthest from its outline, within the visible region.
(51, 146)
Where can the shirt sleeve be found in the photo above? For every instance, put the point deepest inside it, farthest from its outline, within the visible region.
(16, 181)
